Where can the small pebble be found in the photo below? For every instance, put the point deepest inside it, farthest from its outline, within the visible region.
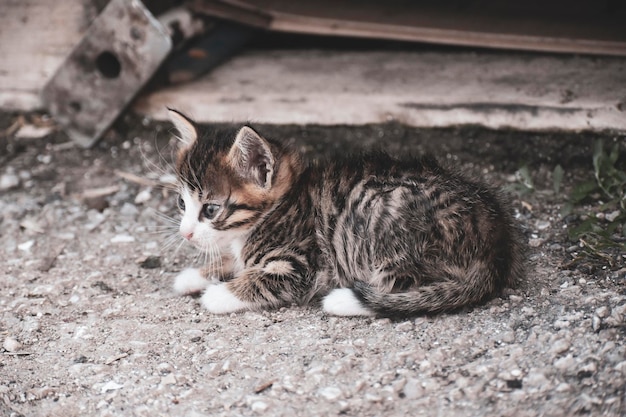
(194, 335)
(563, 387)
(561, 324)
(29, 131)
(358, 342)
(612, 216)
(602, 312)
(537, 380)
(330, 393)
(565, 364)
(9, 181)
(168, 379)
(143, 196)
(26, 246)
(111, 386)
(122, 239)
(373, 398)
(413, 389)
(65, 236)
(543, 224)
(430, 384)
(129, 210)
(398, 385)
(590, 367)
(560, 346)
(596, 323)
(259, 406)
(11, 345)
(405, 326)
(164, 368)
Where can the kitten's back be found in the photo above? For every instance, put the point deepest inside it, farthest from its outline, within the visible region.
(411, 237)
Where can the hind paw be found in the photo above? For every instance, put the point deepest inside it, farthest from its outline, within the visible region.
(342, 302)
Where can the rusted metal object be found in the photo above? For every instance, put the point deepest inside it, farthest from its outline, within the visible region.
(207, 51)
(119, 53)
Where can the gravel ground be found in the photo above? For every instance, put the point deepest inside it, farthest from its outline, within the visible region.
(90, 325)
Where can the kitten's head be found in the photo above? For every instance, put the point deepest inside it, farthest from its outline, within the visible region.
(228, 181)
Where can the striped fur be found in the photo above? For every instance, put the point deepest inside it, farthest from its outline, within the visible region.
(405, 236)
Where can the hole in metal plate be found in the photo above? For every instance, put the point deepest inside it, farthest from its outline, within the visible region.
(108, 65)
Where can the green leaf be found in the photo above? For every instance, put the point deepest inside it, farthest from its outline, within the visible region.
(610, 228)
(567, 209)
(586, 226)
(557, 178)
(524, 175)
(598, 153)
(614, 155)
(583, 191)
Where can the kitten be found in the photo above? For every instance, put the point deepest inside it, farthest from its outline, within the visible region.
(370, 235)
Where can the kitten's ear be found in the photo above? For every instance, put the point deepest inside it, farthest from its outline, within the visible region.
(187, 133)
(252, 157)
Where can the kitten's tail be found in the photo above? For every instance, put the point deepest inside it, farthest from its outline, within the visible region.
(437, 297)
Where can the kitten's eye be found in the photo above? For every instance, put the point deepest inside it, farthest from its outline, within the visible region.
(181, 203)
(210, 210)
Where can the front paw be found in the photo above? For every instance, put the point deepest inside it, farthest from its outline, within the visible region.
(189, 282)
(218, 299)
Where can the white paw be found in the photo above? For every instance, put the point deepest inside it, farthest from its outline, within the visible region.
(218, 299)
(190, 281)
(342, 302)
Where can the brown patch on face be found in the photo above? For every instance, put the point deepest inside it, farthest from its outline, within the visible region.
(253, 195)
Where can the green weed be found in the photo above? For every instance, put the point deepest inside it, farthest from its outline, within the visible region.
(523, 184)
(602, 227)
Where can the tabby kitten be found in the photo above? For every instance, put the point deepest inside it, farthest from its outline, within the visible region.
(369, 235)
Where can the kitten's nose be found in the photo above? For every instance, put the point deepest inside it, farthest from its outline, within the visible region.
(188, 236)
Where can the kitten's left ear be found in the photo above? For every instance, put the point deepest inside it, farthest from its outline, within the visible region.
(186, 128)
(252, 157)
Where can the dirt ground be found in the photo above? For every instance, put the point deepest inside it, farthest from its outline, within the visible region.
(91, 326)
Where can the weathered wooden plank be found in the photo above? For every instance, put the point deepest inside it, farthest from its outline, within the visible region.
(578, 26)
(35, 38)
(421, 89)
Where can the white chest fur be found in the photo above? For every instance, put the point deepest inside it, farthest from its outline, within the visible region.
(236, 249)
